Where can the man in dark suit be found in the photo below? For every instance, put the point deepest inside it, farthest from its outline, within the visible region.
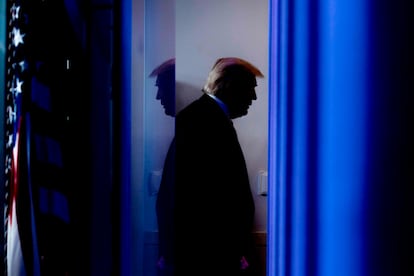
(214, 208)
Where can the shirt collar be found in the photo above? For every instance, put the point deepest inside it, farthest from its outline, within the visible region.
(222, 105)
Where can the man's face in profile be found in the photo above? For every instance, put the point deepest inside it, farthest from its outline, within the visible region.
(166, 92)
(241, 95)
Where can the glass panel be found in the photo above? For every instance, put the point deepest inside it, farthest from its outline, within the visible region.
(159, 112)
(153, 121)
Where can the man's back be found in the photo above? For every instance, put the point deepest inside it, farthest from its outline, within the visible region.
(214, 205)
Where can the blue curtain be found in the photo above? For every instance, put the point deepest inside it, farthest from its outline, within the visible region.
(340, 137)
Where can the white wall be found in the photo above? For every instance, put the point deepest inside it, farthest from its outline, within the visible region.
(207, 30)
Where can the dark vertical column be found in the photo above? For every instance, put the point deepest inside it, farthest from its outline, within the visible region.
(391, 151)
(122, 136)
(100, 39)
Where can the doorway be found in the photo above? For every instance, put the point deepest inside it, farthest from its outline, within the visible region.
(177, 29)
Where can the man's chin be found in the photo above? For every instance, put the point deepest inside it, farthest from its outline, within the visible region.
(239, 114)
(170, 113)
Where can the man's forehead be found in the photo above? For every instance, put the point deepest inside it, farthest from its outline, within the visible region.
(249, 80)
(254, 81)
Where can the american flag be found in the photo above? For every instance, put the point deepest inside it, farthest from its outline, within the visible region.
(20, 250)
(37, 221)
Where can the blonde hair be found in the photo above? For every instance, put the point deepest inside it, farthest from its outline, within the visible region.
(218, 72)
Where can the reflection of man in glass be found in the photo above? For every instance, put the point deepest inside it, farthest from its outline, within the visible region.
(165, 82)
(214, 208)
(165, 74)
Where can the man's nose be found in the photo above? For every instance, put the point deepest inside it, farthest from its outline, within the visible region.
(254, 95)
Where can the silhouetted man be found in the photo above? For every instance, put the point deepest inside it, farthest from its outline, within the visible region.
(214, 208)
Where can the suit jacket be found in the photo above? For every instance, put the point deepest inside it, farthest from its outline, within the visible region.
(214, 208)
